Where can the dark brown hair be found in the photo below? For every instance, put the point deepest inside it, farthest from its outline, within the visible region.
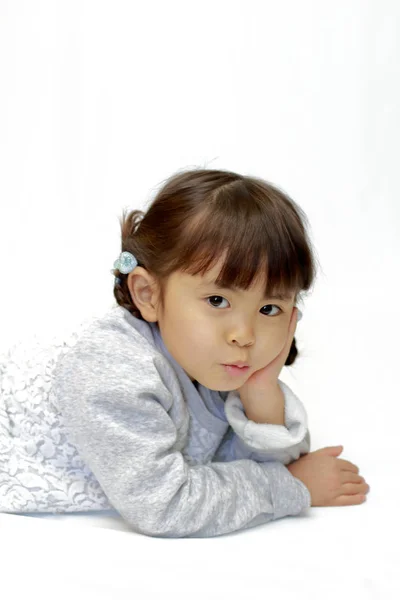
(198, 214)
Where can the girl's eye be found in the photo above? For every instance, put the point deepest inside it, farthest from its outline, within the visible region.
(267, 305)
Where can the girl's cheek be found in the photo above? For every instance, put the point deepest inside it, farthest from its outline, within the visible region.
(206, 336)
(274, 344)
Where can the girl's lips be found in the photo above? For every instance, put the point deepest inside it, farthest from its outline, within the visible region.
(232, 370)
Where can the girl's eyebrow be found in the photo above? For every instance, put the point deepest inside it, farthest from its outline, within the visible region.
(276, 296)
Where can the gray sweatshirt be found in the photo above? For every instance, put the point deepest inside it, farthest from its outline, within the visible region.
(173, 457)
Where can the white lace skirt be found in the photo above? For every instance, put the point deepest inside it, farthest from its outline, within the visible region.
(40, 470)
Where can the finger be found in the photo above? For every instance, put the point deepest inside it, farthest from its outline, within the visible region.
(348, 500)
(293, 324)
(346, 465)
(292, 328)
(355, 488)
(351, 477)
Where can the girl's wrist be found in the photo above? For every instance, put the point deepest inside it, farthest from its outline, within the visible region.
(265, 406)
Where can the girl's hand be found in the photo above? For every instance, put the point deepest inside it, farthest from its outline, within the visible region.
(331, 481)
(267, 378)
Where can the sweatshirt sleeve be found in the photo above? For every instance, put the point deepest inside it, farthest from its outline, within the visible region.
(264, 441)
(117, 415)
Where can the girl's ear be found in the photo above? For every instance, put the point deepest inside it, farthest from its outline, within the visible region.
(293, 352)
(144, 293)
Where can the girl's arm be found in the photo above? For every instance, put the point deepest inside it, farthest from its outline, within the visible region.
(265, 441)
(116, 410)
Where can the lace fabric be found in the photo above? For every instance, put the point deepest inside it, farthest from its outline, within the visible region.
(40, 470)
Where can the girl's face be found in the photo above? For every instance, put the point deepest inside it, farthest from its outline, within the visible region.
(204, 327)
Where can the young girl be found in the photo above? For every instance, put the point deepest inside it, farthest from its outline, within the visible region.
(141, 410)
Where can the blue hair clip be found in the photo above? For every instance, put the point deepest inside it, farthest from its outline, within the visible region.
(125, 263)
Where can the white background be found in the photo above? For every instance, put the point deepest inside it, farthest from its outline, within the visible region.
(100, 101)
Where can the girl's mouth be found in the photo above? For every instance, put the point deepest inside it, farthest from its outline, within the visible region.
(232, 370)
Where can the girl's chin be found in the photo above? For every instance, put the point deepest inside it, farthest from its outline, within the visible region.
(225, 383)
(218, 387)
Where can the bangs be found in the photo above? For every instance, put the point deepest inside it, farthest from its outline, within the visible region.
(260, 241)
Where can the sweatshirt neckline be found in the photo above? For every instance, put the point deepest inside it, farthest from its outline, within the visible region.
(196, 404)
